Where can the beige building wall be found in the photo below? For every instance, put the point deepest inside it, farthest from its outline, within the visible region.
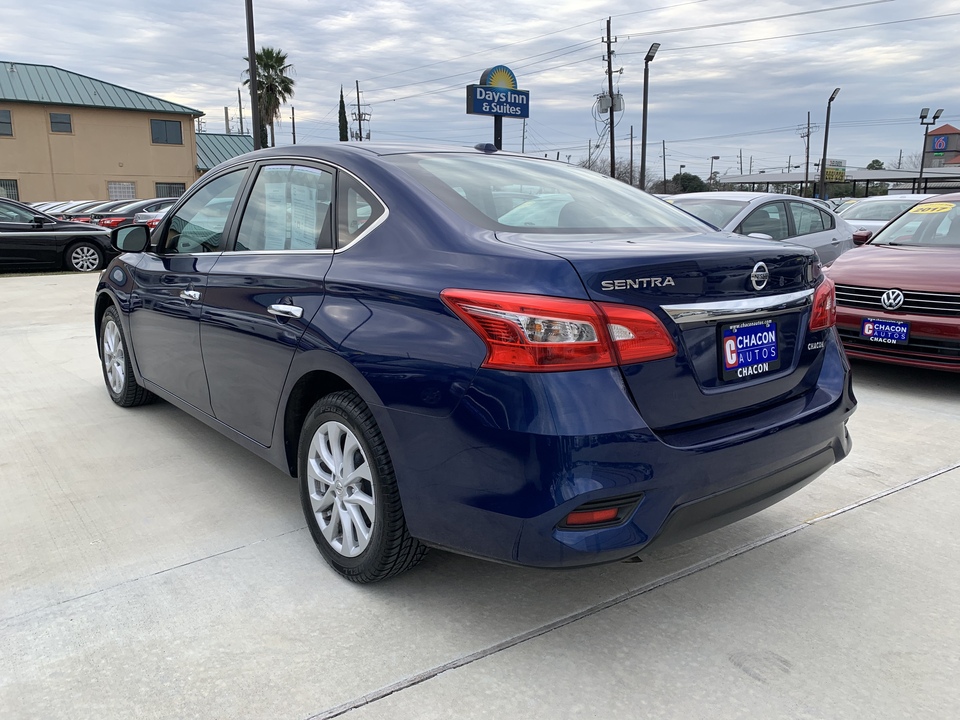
(104, 145)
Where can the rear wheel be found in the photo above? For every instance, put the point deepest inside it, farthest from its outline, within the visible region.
(349, 492)
(84, 257)
(115, 362)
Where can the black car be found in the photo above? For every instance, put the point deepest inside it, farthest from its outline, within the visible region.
(32, 240)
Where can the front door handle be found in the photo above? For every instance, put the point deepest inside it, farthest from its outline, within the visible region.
(287, 311)
(189, 295)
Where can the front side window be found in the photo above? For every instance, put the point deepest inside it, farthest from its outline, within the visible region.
(61, 123)
(166, 132)
(198, 225)
(770, 219)
(10, 213)
(289, 209)
(806, 218)
(6, 123)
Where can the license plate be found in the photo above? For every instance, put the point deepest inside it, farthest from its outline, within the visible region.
(889, 332)
(749, 349)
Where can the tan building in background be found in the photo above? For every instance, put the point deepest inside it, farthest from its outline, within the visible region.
(65, 136)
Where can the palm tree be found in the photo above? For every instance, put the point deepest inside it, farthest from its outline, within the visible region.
(274, 85)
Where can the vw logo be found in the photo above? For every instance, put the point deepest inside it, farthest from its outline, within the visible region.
(759, 276)
(892, 299)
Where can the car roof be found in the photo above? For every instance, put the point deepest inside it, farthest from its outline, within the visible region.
(743, 196)
(903, 196)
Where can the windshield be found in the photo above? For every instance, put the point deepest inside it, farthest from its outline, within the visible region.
(869, 210)
(717, 211)
(545, 196)
(934, 224)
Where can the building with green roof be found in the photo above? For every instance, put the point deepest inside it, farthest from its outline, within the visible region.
(66, 136)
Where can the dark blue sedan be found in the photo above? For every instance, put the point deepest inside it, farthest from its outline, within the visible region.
(564, 380)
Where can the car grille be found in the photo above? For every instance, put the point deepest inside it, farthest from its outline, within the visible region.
(915, 302)
(929, 349)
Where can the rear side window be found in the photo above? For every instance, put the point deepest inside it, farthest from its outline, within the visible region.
(770, 219)
(198, 225)
(806, 218)
(358, 209)
(289, 209)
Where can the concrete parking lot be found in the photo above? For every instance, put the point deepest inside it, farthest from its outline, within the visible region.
(150, 568)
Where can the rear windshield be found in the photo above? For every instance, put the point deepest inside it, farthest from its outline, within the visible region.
(717, 211)
(516, 194)
(884, 210)
(932, 224)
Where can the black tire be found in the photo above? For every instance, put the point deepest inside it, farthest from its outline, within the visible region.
(388, 549)
(115, 363)
(84, 257)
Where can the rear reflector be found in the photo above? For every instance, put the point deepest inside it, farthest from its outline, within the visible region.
(539, 333)
(591, 517)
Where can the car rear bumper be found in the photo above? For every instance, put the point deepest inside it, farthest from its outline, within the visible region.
(499, 476)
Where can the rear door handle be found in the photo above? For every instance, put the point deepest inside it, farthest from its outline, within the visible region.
(287, 311)
(189, 295)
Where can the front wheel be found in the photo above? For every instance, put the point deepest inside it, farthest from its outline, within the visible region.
(115, 362)
(84, 257)
(349, 492)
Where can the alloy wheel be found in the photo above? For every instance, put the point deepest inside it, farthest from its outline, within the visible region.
(114, 359)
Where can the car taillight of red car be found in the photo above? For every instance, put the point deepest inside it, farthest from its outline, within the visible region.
(111, 222)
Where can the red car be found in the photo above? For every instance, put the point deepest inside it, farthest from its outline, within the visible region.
(898, 296)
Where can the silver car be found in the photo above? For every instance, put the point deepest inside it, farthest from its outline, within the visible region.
(871, 214)
(772, 216)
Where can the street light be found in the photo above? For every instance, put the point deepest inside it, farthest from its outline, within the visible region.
(254, 91)
(680, 178)
(926, 128)
(643, 128)
(712, 158)
(826, 135)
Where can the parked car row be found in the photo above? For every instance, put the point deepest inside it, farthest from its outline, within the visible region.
(110, 214)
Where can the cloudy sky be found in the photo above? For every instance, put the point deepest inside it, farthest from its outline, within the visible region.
(730, 76)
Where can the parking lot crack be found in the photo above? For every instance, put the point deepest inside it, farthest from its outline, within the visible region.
(429, 674)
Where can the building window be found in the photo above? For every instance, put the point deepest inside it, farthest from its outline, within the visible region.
(171, 189)
(6, 123)
(121, 190)
(60, 122)
(166, 132)
(8, 190)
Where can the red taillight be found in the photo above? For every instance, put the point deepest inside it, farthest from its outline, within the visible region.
(824, 313)
(152, 223)
(110, 222)
(538, 333)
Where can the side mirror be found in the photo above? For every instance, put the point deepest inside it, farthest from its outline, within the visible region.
(39, 220)
(861, 236)
(761, 236)
(131, 238)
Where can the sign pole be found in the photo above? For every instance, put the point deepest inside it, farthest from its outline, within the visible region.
(498, 131)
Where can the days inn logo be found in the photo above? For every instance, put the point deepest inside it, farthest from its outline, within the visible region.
(499, 76)
(496, 94)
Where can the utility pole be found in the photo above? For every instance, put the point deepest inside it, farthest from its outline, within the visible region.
(523, 138)
(254, 94)
(664, 167)
(589, 155)
(631, 155)
(741, 161)
(293, 123)
(613, 154)
(240, 103)
(900, 159)
(226, 118)
(359, 115)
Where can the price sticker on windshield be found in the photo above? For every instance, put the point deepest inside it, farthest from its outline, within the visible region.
(930, 208)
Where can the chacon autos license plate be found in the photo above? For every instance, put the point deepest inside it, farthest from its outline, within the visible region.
(749, 349)
(891, 332)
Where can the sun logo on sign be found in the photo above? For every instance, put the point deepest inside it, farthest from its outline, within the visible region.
(499, 76)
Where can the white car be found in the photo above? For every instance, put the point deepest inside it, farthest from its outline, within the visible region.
(772, 216)
(871, 214)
